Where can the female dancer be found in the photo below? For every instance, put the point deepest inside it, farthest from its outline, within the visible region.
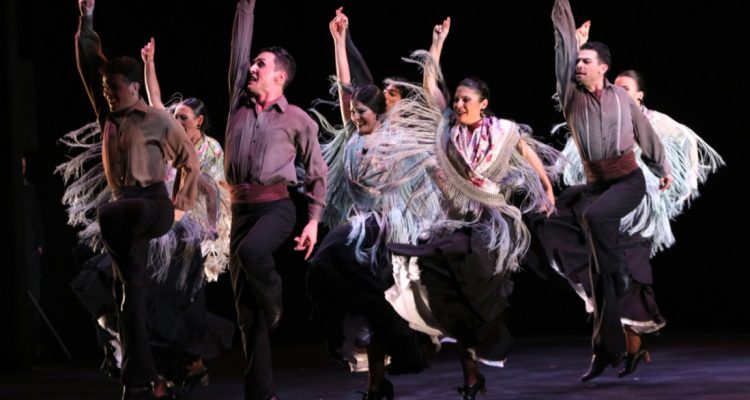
(351, 269)
(456, 283)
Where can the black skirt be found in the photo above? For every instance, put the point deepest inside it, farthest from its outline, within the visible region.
(466, 297)
(349, 303)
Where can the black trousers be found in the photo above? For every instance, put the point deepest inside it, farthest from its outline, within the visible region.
(258, 230)
(583, 237)
(127, 225)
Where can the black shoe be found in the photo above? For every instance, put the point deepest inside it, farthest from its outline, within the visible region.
(273, 310)
(469, 392)
(632, 360)
(385, 391)
(599, 363)
(138, 393)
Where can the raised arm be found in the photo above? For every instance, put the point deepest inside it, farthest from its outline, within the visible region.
(360, 72)
(338, 27)
(89, 56)
(431, 80)
(239, 60)
(566, 49)
(149, 74)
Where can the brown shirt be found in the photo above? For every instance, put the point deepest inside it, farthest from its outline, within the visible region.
(137, 142)
(604, 124)
(261, 148)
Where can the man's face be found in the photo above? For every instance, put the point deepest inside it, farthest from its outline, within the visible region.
(263, 74)
(119, 93)
(589, 71)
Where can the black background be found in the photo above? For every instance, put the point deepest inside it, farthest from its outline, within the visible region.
(689, 55)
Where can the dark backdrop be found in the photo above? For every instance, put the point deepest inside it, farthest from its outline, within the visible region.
(689, 55)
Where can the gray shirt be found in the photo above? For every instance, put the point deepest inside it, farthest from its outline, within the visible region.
(137, 142)
(261, 148)
(603, 126)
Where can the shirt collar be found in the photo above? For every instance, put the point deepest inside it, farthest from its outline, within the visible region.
(140, 108)
(280, 103)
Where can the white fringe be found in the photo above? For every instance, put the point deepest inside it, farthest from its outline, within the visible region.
(691, 159)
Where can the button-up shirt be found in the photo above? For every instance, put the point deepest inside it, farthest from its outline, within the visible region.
(607, 124)
(137, 142)
(262, 147)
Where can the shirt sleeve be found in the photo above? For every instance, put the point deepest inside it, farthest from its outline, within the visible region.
(652, 148)
(358, 69)
(185, 161)
(89, 58)
(316, 170)
(239, 59)
(566, 49)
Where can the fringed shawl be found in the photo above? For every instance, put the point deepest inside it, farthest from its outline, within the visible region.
(422, 128)
(207, 225)
(691, 159)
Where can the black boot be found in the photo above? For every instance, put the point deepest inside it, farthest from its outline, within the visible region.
(385, 391)
(469, 392)
(599, 363)
(636, 352)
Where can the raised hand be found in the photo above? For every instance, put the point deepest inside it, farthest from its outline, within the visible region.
(86, 7)
(582, 33)
(440, 32)
(338, 26)
(148, 51)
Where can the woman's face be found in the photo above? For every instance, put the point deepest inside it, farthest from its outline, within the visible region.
(186, 117)
(363, 118)
(392, 95)
(630, 86)
(468, 105)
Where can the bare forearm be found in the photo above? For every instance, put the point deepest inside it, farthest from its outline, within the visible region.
(430, 79)
(152, 85)
(533, 159)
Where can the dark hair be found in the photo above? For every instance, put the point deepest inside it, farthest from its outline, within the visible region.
(130, 69)
(394, 80)
(371, 96)
(602, 51)
(478, 85)
(199, 109)
(637, 77)
(284, 61)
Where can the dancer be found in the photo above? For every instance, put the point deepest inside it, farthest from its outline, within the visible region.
(351, 269)
(605, 123)
(180, 326)
(265, 134)
(648, 227)
(455, 284)
(360, 72)
(137, 142)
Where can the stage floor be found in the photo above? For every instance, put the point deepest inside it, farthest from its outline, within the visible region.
(715, 368)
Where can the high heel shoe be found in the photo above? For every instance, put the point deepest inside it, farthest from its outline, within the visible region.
(632, 360)
(385, 391)
(636, 352)
(197, 374)
(469, 392)
(599, 363)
